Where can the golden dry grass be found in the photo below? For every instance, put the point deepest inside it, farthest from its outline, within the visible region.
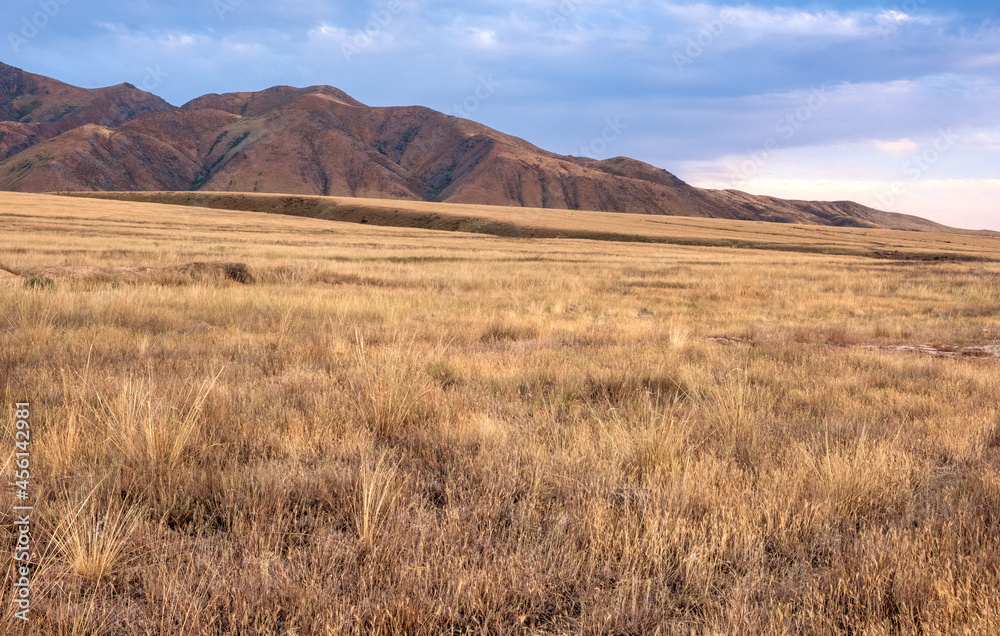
(548, 223)
(397, 431)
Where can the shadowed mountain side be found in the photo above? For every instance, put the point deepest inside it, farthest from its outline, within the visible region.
(320, 141)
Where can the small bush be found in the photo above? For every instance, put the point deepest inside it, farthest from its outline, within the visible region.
(443, 373)
(502, 332)
(39, 282)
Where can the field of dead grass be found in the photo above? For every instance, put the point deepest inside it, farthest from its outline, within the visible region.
(954, 245)
(398, 431)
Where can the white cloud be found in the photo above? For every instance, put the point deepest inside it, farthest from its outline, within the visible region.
(898, 147)
(482, 38)
(352, 43)
(112, 27)
(790, 22)
(328, 32)
(988, 139)
(755, 22)
(175, 40)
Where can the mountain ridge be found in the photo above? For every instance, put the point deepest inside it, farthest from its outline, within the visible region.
(319, 140)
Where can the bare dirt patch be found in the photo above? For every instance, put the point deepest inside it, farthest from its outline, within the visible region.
(8, 279)
(729, 340)
(231, 271)
(139, 274)
(935, 350)
(944, 351)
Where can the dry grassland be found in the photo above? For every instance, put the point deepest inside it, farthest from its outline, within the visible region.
(642, 228)
(399, 431)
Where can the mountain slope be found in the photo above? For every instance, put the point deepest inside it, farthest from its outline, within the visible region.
(34, 108)
(319, 140)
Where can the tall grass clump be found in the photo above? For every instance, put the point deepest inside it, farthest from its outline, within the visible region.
(388, 387)
(96, 539)
(377, 494)
(146, 431)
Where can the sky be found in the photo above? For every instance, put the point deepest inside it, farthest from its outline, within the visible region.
(895, 105)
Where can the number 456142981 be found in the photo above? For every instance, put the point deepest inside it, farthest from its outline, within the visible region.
(23, 433)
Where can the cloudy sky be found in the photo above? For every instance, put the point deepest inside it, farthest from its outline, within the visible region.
(895, 105)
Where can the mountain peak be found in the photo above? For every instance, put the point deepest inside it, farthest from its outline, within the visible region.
(256, 103)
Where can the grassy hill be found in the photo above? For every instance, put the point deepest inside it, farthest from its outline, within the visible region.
(937, 243)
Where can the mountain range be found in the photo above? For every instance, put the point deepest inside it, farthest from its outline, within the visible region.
(321, 141)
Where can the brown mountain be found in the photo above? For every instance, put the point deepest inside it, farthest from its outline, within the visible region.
(319, 140)
(34, 108)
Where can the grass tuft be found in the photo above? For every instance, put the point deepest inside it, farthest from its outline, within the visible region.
(96, 540)
(387, 389)
(378, 491)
